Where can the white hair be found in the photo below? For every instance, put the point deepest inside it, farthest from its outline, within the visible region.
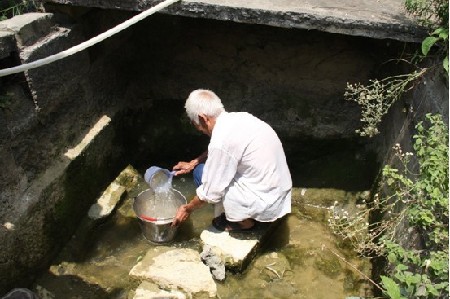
(203, 101)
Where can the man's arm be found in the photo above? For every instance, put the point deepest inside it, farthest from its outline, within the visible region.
(186, 167)
(184, 211)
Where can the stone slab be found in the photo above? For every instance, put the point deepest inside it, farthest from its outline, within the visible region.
(147, 290)
(28, 28)
(113, 194)
(176, 269)
(375, 19)
(236, 249)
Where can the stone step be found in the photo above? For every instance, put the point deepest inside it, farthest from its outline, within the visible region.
(28, 28)
(233, 251)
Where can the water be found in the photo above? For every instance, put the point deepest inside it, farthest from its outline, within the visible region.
(163, 203)
(298, 263)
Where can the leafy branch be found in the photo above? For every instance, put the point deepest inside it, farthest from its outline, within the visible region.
(417, 198)
(377, 97)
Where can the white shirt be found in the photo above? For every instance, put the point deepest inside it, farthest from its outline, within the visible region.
(246, 169)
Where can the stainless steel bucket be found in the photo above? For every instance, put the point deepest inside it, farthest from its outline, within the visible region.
(156, 211)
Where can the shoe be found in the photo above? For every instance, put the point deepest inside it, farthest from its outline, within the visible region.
(222, 224)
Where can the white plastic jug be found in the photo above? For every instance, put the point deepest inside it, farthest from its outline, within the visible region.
(159, 178)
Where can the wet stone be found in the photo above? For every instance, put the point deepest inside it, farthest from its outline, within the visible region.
(328, 265)
(235, 249)
(213, 261)
(176, 269)
(147, 290)
(272, 266)
(112, 195)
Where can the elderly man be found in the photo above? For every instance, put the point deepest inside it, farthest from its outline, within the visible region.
(244, 172)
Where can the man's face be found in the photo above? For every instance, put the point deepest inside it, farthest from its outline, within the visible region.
(204, 124)
(200, 128)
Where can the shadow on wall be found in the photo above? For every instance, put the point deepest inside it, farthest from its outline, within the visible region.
(161, 135)
(343, 164)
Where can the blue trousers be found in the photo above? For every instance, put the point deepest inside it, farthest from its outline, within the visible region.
(198, 172)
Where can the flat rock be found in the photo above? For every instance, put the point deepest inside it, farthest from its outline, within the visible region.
(235, 249)
(107, 202)
(28, 28)
(176, 269)
(113, 194)
(147, 290)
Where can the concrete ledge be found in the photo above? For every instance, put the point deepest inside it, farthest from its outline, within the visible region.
(375, 19)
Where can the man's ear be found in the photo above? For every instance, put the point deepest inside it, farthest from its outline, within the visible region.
(202, 119)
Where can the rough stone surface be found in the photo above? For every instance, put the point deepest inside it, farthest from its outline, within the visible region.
(234, 249)
(214, 262)
(107, 202)
(28, 28)
(375, 19)
(148, 290)
(112, 195)
(7, 43)
(43, 195)
(231, 250)
(176, 269)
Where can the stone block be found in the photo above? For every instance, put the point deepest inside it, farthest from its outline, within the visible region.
(60, 84)
(114, 193)
(176, 269)
(236, 249)
(107, 202)
(28, 28)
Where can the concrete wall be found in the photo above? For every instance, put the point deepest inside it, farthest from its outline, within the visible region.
(293, 79)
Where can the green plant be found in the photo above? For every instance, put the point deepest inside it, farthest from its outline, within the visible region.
(377, 97)
(422, 273)
(429, 12)
(438, 37)
(414, 198)
(432, 14)
(18, 7)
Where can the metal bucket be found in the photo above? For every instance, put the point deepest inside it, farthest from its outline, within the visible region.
(156, 211)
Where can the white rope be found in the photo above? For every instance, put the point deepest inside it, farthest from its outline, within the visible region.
(88, 43)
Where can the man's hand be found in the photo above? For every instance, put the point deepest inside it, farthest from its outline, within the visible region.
(182, 215)
(184, 211)
(184, 167)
